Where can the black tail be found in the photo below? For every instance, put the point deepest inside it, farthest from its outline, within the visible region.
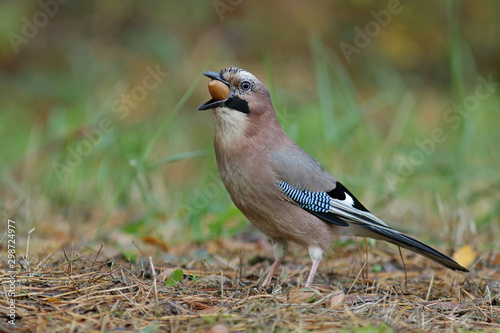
(412, 244)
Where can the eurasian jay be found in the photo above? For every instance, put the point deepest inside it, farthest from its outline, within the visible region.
(279, 187)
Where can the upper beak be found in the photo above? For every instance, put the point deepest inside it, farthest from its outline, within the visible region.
(213, 103)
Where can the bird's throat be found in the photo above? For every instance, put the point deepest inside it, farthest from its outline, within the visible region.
(230, 126)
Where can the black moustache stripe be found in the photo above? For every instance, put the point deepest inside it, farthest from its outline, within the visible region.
(237, 104)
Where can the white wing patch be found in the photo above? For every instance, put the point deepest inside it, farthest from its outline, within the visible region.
(348, 201)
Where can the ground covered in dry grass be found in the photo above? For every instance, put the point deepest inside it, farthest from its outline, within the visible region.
(214, 287)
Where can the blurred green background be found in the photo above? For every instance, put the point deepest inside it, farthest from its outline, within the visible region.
(100, 131)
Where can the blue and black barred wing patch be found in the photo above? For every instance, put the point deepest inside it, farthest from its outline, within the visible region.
(317, 203)
(338, 206)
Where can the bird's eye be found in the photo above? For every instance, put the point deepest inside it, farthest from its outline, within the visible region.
(245, 85)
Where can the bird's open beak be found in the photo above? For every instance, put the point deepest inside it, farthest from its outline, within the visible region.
(220, 91)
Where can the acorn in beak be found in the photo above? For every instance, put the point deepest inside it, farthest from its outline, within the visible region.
(218, 88)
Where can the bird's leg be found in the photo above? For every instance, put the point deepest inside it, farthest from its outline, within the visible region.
(269, 275)
(280, 249)
(316, 254)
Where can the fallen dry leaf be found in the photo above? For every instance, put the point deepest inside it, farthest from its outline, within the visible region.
(338, 300)
(53, 299)
(495, 259)
(156, 242)
(464, 255)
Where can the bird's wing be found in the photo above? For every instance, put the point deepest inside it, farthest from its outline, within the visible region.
(303, 174)
(296, 167)
(307, 184)
(332, 207)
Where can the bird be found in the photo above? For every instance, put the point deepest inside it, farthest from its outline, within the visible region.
(278, 186)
